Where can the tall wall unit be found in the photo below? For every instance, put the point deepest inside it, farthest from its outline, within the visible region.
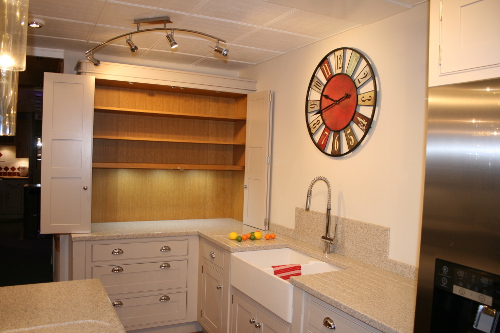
(166, 147)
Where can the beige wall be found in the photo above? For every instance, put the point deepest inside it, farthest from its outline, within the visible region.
(381, 182)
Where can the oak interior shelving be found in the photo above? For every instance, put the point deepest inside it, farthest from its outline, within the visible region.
(157, 132)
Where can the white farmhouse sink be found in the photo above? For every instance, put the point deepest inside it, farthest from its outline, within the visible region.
(251, 273)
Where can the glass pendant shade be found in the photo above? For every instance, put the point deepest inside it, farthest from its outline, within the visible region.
(8, 102)
(13, 34)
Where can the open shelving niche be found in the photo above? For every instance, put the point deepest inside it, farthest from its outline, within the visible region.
(167, 153)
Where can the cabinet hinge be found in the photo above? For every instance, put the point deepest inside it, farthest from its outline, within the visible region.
(201, 269)
(232, 299)
(201, 313)
(270, 97)
(269, 160)
(440, 51)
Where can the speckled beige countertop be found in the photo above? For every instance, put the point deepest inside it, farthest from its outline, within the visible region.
(73, 306)
(380, 298)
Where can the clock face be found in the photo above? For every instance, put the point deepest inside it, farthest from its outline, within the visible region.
(341, 101)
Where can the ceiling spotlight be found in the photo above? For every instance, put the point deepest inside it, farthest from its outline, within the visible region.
(221, 50)
(171, 40)
(36, 23)
(131, 44)
(90, 57)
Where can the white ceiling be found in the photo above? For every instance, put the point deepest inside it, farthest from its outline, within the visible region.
(255, 30)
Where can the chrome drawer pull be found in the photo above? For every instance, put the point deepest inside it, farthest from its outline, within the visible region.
(117, 303)
(258, 325)
(165, 249)
(165, 265)
(212, 254)
(329, 323)
(116, 252)
(117, 269)
(252, 320)
(164, 298)
(219, 287)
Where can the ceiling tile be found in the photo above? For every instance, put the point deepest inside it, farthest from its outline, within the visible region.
(57, 43)
(311, 24)
(176, 58)
(274, 40)
(221, 29)
(123, 15)
(63, 29)
(254, 12)
(250, 55)
(81, 11)
(225, 65)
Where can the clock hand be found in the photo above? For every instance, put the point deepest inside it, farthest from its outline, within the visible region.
(328, 97)
(327, 107)
(335, 102)
(343, 97)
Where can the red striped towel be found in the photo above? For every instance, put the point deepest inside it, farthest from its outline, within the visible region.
(287, 271)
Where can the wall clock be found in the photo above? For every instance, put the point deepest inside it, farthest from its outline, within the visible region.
(341, 101)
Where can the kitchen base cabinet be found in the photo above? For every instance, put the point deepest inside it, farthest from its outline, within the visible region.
(213, 293)
(247, 316)
(320, 317)
(11, 197)
(151, 282)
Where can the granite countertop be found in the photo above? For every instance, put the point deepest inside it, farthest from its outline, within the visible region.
(380, 298)
(72, 306)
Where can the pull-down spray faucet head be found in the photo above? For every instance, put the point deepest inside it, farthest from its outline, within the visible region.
(326, 238)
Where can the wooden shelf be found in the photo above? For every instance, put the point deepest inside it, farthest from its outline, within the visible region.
(159, 166)
(164, 114)
(130, 138)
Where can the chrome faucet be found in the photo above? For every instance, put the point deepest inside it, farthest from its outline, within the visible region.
(326, 238)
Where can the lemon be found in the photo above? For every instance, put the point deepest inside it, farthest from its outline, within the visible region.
(257, 235)
(233, 235)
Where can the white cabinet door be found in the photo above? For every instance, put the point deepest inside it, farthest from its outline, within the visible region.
(243, 315)
(258, 160)
(469, 34)
(211, 299)
(68, 111)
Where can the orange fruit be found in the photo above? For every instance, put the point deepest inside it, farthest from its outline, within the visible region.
(273, 236)
(267, 237)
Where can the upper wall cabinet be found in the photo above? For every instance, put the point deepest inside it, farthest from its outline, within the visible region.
(464, 43)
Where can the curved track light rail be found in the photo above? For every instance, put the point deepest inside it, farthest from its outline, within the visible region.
(90, 53)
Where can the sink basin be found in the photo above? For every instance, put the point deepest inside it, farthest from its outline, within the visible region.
(251, 273)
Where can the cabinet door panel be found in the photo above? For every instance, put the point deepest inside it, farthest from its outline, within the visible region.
(68, 109)
(242, 313)
(212, 295)
(258, 160)
(466, 44)
(132, 278)
(270, 324)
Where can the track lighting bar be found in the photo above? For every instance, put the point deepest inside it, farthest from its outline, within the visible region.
(170, 37)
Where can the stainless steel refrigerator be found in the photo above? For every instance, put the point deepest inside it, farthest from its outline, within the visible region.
(459, 270)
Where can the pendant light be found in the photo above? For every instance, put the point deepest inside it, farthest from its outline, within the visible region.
(13, 34)
(8, 102)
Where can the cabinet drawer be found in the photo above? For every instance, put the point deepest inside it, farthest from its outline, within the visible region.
(150, 310)
(212, 254)
(131, 278)
(137, 250)
(317, 311)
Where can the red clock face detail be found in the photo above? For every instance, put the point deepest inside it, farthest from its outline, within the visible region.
(341, 101)
(340, 92)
